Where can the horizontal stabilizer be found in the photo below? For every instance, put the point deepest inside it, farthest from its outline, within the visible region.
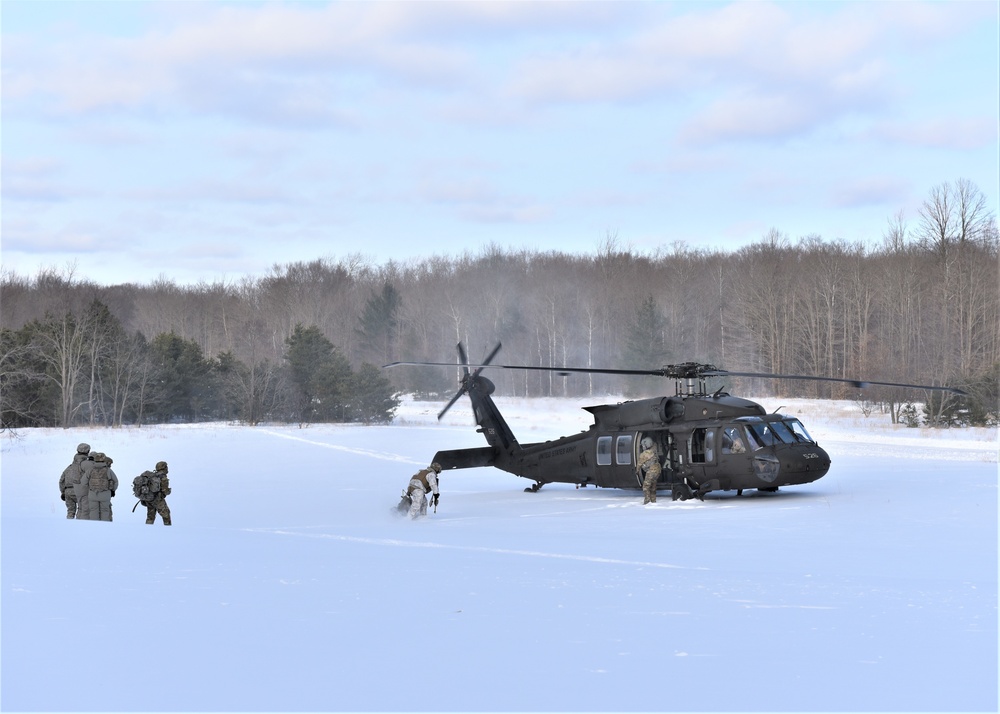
(465, 458)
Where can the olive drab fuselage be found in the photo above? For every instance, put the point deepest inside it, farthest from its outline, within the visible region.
(708, 441)
(694, 435)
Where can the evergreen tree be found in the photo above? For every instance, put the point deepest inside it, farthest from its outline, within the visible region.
(187, 388)
(380, 323)
(644, 345)
(321, 375)
(373, 400)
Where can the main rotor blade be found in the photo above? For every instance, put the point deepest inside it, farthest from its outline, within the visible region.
(484, 363)
(712, 372)
(423, 364)
(859, 383)
(668, 372)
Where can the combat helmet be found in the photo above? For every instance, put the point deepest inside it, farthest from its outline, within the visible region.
(83, 449)
(647, 443)
(161, 466)
(436, 467)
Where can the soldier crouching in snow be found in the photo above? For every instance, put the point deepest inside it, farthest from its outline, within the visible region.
(423, 482)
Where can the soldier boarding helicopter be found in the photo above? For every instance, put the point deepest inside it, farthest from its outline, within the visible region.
(706, 441)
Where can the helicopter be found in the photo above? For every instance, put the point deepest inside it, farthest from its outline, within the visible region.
(706, 441)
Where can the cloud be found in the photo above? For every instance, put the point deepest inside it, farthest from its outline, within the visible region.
(749, 116)
(963, 133)
(478, 201)
(277, 62)
(30, 238)
(533, 213)
(32, 179)
(872, 191)
(253, 193)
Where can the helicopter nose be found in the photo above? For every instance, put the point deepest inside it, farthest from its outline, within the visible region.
(810, 461)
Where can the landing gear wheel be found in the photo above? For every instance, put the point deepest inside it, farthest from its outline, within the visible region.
(680, 492)
(769, 489)
(534, 488)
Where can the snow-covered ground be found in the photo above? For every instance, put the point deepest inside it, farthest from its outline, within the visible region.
(285, 584)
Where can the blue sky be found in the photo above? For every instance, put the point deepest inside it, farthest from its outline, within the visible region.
(207, 141)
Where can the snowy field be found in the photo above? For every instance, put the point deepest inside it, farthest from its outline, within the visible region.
(285, 584)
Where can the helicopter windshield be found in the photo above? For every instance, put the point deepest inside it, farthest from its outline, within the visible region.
(761, 433)
(783, 432)
(799, 430)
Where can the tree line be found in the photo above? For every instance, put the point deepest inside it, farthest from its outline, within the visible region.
(305, 342)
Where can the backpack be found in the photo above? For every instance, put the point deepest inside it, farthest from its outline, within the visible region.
(146, 485)
(99, 480)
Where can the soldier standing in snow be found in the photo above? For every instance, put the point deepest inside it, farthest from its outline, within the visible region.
(69, 484)
(158, 504)
(649, 463)
(102, 483)
(423, 481)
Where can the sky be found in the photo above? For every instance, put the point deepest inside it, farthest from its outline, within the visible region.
(285, 584)
(203, 142)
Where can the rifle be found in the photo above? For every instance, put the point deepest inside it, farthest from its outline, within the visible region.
(136, 506)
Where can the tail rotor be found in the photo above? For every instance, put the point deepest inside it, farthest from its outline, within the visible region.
(468, 378)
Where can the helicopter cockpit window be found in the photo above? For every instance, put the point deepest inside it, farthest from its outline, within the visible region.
(768, 434)
(732, 441)
(623, 450)
(800, 431)
(604, 451)
(760, 435)
(783, 432)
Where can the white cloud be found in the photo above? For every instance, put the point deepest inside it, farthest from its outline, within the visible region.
(872, 191)
(750, 116)
(963, 133)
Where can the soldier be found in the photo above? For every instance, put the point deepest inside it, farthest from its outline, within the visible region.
(423, 481)
(102, 483)
(160, 488)
(649, 463)
(82, 489)
(69, 483)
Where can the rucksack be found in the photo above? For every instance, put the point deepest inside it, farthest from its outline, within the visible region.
(99, 480)
(146, 485)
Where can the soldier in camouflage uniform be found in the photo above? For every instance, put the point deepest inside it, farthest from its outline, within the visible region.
(159, 502)
(102, 483)
(69, 484)
(423, 481)
(82, 489)
(649, 463)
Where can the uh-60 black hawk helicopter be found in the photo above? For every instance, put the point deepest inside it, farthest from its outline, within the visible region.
(706, 441)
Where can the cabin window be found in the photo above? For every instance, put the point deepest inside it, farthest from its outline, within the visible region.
(623, 450)
(604, 451)
(732, 441)
(701, 446)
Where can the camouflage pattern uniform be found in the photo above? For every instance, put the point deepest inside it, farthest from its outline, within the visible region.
(99, 496)
(649, 463)
(159, 502)
(82, 489)
(69, 483)
(423, 481)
